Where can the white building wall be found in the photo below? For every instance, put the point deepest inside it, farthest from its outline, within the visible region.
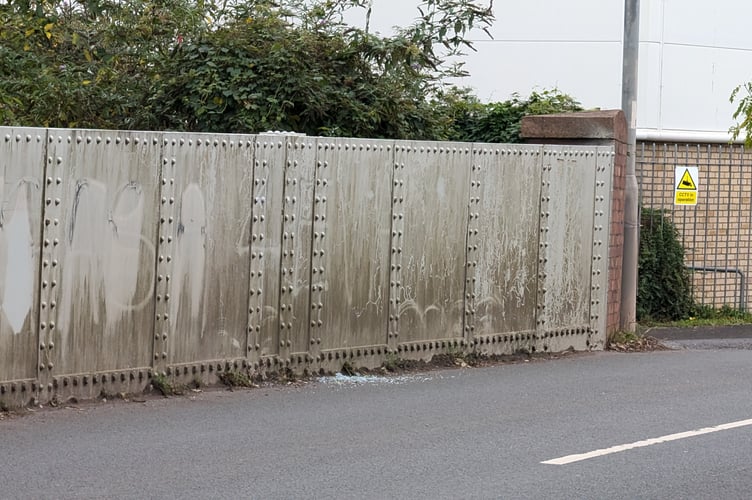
(702, 50)
(692, 54)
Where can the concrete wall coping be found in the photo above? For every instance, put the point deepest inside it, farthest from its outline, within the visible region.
(585, 126)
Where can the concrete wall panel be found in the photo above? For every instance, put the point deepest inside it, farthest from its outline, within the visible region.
(101, 246)
(22, 161)
(297, 229)
(600, 272)
(566, 238)
(352, 227)
(503, 239)
(206, 202)
(432, 182)
(266, 239)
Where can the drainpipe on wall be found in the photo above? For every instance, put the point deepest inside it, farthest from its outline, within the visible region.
(628, 309)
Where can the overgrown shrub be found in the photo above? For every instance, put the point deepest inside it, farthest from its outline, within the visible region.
(473, 121)
(664, 287)
(211, 65)
(215, 66)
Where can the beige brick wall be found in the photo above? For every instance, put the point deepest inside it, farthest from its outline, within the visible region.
(717, 231)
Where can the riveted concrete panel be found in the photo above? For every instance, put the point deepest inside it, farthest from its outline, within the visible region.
(297, 237)
(194, 255)
(604, 173)
(269, 176)
(22, 162)
(205, 243)
(502, 239)
(430, 202)
(352, 225)
(568, 191)
(98, 290)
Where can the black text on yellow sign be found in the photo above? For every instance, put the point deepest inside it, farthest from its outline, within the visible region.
(685, 185)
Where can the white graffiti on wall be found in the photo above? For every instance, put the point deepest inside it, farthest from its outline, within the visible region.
(17, 245)
(104, 244)
(190, 252)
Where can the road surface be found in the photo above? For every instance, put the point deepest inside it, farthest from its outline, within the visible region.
(646, 423)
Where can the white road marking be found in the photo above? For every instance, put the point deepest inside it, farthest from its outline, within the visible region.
(647, 442)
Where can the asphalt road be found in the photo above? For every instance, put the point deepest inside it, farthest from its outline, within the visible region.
(463, 433)
(705, 337)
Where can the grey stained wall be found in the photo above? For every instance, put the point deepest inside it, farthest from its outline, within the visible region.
(130, 254)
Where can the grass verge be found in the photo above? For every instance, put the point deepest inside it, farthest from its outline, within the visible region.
(705, 316)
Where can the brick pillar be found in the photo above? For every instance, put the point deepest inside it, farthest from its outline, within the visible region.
(593, 128)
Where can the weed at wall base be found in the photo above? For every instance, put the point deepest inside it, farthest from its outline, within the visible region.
(235, 379)
(162, 385)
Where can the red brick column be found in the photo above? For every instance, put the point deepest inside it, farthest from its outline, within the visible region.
(594, 128)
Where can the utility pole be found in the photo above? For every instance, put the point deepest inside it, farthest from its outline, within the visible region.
(631, 47)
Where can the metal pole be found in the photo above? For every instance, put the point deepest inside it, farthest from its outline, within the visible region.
(631, 46)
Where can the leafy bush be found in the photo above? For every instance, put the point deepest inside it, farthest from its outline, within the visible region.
(500, 121)
(208, 65)
(215, 66)
(664, 286)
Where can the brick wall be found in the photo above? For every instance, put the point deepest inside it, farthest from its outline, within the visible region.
(616, 243)
(716, 233)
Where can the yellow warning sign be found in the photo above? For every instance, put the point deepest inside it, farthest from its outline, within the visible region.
(685, 185)
(685, 198)
(687, 182)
